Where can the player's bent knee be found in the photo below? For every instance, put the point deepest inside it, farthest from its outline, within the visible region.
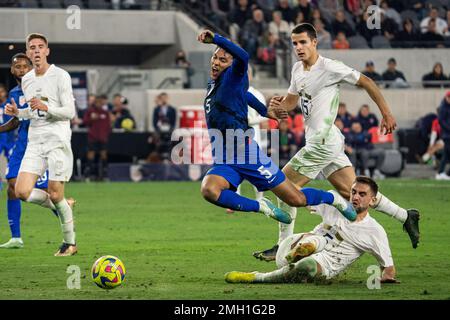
(22, 194)
(210, 193)
(298, 200)
(55, 196)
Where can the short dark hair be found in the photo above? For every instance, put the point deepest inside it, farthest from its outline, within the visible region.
(2, 86)
(36, 36)
(20, 55)
(368, 181)
(305, 27)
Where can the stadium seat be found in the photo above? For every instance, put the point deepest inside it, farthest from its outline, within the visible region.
(29, 4)
(379, 42)
(51, 4)
(393, 163)
(358, 42)
(98, 4)
(143, 4)
(68, 3)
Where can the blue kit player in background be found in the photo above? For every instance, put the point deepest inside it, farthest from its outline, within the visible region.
(20, 65)
(7, 139)
(226, 112)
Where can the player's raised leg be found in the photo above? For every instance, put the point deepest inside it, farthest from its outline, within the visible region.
(342, 180)
(216, 189)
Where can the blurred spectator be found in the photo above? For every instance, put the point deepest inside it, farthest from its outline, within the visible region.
(299, 18)
(360, 150)
(431, 38)
(366, 118)
(98, 121)
(341, 25)
(164, 115)
(279, 27)
(329, 7)
(323, 36)
(440, 24)
(305, 7)
(435, 145)
(395, 78)
(341, 41)
(287, 12)
(254, 33)
(219, 12)
(388, 26)
(164, 121)
(121, 116)
(286, 143)
(444, 122)
(371, 73)
(240, 14)
(408, 37)
(3, 93)
(447, 20)
(266, 52)
(182, 62)
(362, 29)
(105, 103)
(391, 13)
(436, 78)
(317, 15)
(353, 6)
(344, 116)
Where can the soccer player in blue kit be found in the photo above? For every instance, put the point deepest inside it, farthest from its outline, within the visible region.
(226, 116)
(20, 65)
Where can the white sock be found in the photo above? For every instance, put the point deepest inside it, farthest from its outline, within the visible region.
(238, 190)
(259, 194)
(383, 204)
(66, 218)
(41, 198)
(285, 230)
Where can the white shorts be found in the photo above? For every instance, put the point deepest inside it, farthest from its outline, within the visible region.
(315, 158)
(56, 156)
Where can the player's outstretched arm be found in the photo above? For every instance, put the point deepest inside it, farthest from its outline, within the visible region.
(240, 56)
(388, 123)
(254, 103)
(280, 106)
(11, 125)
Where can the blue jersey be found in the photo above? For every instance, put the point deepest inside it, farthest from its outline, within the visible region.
(6, 138)
(225, 103)
(22, 134)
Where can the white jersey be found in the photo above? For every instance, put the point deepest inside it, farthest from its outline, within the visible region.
(254, 118)
(358, 237)
(54, 89)
(318, 89)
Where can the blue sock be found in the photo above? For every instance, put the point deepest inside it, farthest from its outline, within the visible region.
(14, 212)
(230, 199)
(317, 196)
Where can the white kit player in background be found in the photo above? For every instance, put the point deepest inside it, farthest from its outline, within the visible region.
(332, 246)
(315, 85)
(254, 119)
(51, 106)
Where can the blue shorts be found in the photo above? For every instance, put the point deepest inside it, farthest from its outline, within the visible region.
(12, 170)
(264, 174)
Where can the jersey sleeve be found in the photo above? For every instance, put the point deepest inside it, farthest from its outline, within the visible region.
(66, 109)
(339, 72)
(240, 56)
(380, 248)
(255, 104)
(292, 87)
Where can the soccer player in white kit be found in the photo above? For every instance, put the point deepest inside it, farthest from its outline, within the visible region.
(48, 91)
(332, 246)
(315, 84)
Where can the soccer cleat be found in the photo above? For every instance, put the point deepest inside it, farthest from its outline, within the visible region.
(66, 250)
(267, 255)
(13, 243)
(411, 226)
(300, 251)
(344, 206)
(240, 277)
(269, 209)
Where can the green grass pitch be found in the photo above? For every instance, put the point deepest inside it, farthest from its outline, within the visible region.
(175, 245)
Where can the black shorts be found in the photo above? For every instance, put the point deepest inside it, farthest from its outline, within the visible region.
(97, 146)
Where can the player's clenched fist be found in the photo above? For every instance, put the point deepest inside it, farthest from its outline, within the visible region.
(37, 104)
(11, 108)
(206, 36)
